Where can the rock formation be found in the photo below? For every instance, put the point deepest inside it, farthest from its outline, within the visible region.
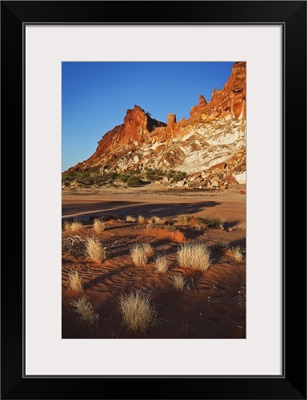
(209, 146)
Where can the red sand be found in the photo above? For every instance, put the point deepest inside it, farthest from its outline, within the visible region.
(213, 304)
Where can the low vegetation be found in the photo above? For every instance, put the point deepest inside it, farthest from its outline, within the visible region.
(133, 178)
(170, 228)
(183, 219)
(141, 219)
(176, 176)
(99, 226)
(156, 220)
(148, 249)
(161, 264)
(129, 218)
(86, 312)
(237, 253)
(139, 255)
(95, 250)
(75, 281)
(137, 312)
(88, 178)
(73, 226)
(213, 221)
(194, 255)
(179, 282)
(154, 174)
(134, 181)
(73, 245)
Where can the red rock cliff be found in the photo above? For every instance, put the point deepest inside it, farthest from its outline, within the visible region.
(139, 128)
(230, 100)
(135, 129)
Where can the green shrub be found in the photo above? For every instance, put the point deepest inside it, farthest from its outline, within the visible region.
(134, 181)
(134, 172)
(84, 178)
(176, 176)
(68, 176)
(91, 177)
(124, 177)
(179, 176)
(110, 175)
(154, 175)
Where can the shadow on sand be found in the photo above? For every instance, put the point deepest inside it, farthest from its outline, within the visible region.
(123, 208)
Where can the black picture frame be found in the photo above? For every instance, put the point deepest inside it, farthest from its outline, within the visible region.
(292, 16)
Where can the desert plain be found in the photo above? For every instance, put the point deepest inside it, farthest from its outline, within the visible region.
(186, 302)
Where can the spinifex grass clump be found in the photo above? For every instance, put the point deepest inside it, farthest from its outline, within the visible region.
(86, 312)
(148, 249)
(95, 250)
(129, 218)
(73, 226)
(139, 255)
(99, 226)
(184, 218)
(138, 314)
(75, 281)
(141, 219)
(237, 254)
(156, 220)
(161, 264)
(179, 282)
(194, 255)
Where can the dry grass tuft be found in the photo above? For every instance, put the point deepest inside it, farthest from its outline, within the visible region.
(156, 220)
(129, 218)
(99, 226)
(138, 254)
(194, 255)
(148, 249)
(86, 312)
(184, 218)
(150, 226)
(170, 228)
(179, 282)
(237, 254)
(75, 281)
(141, 219)
(138, 314)
(161, 264)
(95, 250)
(213, 221)
(73, 226)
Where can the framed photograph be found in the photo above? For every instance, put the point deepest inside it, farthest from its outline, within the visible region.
(160, 146)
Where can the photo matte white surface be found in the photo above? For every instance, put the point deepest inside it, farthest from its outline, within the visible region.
(46, 353)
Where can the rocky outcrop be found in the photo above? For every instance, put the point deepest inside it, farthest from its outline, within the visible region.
(231, 100)
(198, 110)
(209, 146)
(171, 126)
(132, 133)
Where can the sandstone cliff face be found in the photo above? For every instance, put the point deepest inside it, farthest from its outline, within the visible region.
(231, 100)
(132, 133)
(211, 142)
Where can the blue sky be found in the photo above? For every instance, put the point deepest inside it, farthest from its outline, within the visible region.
(96, 95)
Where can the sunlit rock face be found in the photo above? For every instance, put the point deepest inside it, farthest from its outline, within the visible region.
(210, 146)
